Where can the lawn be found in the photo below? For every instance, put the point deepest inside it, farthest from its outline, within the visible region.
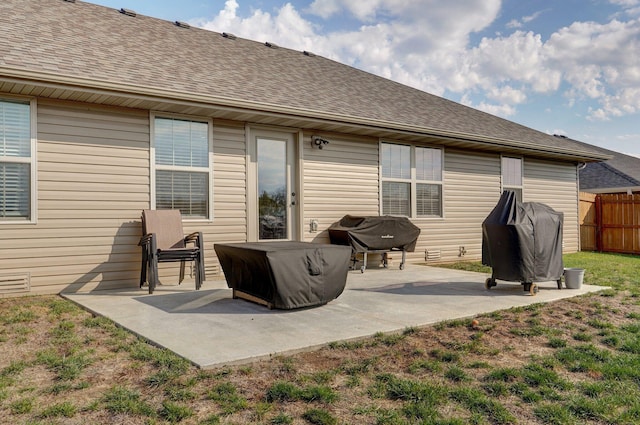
(575, 361)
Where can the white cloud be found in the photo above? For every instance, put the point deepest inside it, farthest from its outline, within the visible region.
(519, 57)
(507, 95)
(600, 62)
(500, 110)
(286, 28)
(625, 3)
(514, 23)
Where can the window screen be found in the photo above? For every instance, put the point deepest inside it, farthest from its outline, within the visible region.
(182, 166)
(512, 175)
(411, 180)
(15, 160)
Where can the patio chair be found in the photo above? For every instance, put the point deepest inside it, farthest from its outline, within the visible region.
(163, 240)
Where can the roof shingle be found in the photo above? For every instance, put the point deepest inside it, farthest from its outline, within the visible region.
(621, 171)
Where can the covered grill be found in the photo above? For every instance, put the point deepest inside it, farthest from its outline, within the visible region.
(375, 234)
(522, 241)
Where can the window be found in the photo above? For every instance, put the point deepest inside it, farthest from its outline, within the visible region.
(182, 166)
(17, 162)
(411, 180)
(512, 175)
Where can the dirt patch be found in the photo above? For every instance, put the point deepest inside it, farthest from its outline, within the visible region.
(386, 379)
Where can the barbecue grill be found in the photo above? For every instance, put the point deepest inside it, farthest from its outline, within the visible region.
(522, 241)
(375, 234)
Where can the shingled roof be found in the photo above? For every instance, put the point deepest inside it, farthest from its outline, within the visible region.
(620, 173)
(81, 51)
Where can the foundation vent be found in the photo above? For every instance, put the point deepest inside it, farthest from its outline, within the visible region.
(14, 283)
(432, 255)
(211, 270)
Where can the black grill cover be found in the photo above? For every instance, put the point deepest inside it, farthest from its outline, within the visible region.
(286, 274)
(372, 233)
(522, 241)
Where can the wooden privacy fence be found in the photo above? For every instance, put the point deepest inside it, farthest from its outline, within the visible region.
(610, 223)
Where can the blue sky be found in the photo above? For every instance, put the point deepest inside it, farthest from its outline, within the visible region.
(569, 67)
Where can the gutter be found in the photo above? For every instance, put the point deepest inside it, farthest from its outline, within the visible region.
(58, 81)
(626, 189)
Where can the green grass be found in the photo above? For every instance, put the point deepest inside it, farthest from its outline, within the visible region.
(319, 417)
(457, 374)
(227, 397)
(174, 413)
(478, 402)
(123, 400)
(66, 366)
(395, 388)
(281, 419)
(65, 409)
(160, 357)
(615, 270)
(578, 362)
(22, 406)
(618, 271)
(286, 391)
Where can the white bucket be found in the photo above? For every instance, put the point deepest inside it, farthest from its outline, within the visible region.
(573, 278)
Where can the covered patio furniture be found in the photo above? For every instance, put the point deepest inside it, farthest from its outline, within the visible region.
(522, 242)
(375, 234)
(163, 240)
(284, 275)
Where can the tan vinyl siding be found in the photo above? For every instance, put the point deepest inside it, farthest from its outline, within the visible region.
(555, 184)
(471, 190)
(93, 181)
(340, 179)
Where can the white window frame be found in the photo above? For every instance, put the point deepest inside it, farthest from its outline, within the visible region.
(31, 160)
(414, 181)
(209, 169)
(504, 186)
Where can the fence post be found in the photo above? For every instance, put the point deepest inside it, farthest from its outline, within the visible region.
(599, 247)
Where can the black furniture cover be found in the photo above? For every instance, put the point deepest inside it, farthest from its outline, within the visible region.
(375, 233)
(522, 241)
(286, 275)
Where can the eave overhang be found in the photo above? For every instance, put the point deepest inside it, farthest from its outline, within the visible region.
(82, 89)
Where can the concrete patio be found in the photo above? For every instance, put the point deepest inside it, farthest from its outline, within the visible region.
(211, 329)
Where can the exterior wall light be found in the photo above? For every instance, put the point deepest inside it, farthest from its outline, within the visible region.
(318, 142)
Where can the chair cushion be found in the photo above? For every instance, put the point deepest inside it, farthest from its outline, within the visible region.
(167, 225)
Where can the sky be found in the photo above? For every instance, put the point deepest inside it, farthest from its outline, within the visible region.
(567, 67)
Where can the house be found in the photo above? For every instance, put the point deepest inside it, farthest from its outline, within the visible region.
(618, 174)
(609, 201)
(105, 112)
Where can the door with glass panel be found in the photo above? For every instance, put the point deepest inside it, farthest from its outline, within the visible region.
(272, 206)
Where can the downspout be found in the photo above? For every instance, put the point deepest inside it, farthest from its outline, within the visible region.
(599, 245)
